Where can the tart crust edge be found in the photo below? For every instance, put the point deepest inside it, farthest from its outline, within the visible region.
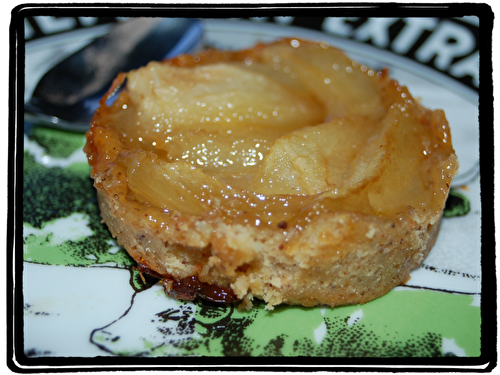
(365, 271)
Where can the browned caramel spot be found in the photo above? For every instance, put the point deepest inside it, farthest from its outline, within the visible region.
(191, 287)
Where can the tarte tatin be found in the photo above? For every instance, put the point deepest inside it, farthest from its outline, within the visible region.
(285, 172)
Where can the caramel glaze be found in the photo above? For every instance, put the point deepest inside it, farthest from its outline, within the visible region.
(189, 288)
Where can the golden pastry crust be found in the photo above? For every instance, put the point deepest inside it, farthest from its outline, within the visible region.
(285, 172)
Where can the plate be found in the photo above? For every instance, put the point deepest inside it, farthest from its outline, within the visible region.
(83, 297)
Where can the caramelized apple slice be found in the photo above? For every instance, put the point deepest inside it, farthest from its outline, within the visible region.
(408, 171)
(176, 186)
(319, 158)
(220, 151)
(181, 187)
(216, 97)
(345, 88)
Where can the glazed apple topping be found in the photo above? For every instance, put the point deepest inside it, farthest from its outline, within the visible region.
(275, 133)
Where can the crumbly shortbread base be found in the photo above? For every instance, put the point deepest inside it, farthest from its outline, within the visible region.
(344, 258)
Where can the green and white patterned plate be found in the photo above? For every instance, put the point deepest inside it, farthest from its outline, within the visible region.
(83, 298)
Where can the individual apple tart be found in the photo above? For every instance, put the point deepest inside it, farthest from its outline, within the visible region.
(285, 172)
